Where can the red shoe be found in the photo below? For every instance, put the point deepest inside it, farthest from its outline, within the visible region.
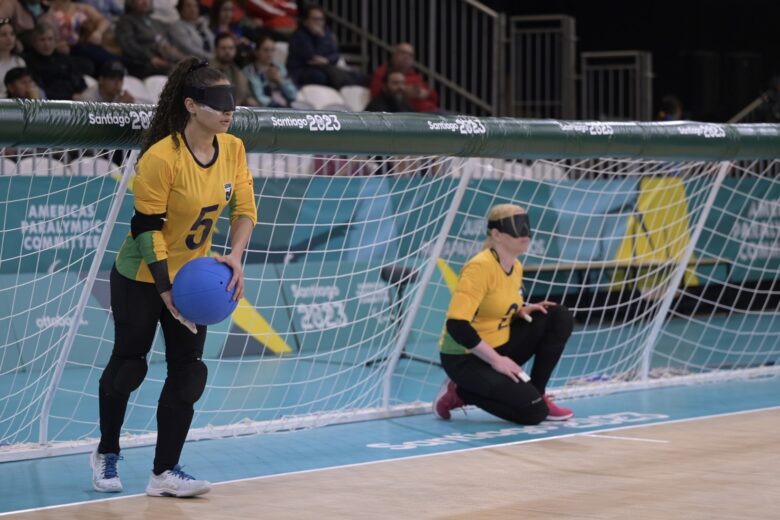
(556, 413)
(447, 399)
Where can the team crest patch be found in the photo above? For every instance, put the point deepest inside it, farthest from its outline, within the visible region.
(228, 191)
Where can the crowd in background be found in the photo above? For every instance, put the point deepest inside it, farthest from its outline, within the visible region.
(53, 49)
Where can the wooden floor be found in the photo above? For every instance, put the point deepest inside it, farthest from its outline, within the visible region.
(718, 468)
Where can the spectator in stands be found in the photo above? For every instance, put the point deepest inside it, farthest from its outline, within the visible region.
(268, 80)
(313, 57)
(491, 332)
(165, 11)
(221, 20)
(769, 110)
(191, 34)
(20, 18)
(8, 57)
(671, 109)
(145, 49)
(81, 30)
(19, 84)
(52, 70)
(109, 9)
(277, 16)
(109, 88)
(224, 61)
(392, 97)
(35, 8)
(419, 95)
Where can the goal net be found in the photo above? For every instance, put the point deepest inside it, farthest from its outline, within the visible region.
(667, 253)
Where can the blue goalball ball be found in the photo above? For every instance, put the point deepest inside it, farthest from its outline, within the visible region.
(200, 291)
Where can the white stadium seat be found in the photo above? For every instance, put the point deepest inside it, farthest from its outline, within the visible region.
(154, 86)
(137, 89)
(356, 97)
(41, 165)
(321, 97)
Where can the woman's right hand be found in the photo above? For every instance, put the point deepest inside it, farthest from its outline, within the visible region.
(506, 365)
(167, 298)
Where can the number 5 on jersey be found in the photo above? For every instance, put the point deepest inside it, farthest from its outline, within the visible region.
(204, 220)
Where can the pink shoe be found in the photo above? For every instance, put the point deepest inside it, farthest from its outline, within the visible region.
(447, 399)
(556, 413)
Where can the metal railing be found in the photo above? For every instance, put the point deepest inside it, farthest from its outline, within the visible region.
(542, 77)
(617, 86)
(459, 44)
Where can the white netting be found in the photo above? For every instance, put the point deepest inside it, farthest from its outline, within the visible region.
(352, 262)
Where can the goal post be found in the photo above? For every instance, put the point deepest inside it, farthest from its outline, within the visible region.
(661, 237)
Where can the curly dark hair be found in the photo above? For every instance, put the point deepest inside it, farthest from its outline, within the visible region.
(171, 115)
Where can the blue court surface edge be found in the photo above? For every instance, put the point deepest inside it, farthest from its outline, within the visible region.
(64, 480)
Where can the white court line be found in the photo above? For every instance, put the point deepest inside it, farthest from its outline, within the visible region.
(638, 439)
(425, 455)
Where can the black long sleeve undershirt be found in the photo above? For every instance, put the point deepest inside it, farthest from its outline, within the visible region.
(463, 333)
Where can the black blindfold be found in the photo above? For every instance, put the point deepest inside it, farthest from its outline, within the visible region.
(219, 97)
(517, 225)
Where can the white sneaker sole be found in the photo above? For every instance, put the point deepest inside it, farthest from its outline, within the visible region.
(177, 493)
(113, 488)
(442, 391)
(560, 417)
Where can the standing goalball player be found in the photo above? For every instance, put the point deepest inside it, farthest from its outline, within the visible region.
(188, 171)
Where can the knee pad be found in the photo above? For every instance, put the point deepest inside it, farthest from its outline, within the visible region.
(191, 381)
(123, 376)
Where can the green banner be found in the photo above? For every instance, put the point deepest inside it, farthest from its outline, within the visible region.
(25, 123)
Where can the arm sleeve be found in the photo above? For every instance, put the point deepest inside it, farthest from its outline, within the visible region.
(152, 186)
(242, 203)
(463, 333)
(472, 287)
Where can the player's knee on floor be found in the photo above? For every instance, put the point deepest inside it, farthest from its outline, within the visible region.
(123, 375)
(533, 414)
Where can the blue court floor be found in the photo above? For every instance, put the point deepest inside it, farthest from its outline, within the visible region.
(63, 480)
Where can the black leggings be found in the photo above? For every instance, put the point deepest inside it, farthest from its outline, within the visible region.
(497, 394)
(137, 308)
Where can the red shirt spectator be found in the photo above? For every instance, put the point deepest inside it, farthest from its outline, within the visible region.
(419, 95)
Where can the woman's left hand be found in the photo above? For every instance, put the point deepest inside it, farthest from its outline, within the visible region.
(238, 274)
(525, 312)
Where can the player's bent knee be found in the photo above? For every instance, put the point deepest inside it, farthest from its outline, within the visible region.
(123, 376)
(192, 381)
(533, 414)
(564, 319)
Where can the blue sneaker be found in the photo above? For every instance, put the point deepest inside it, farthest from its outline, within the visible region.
(105, 477)
(176, 483)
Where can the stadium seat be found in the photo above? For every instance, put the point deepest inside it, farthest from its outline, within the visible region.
(322, 97)
(356, 97)
(7, 167)
(137, 89)
(90, 81)
(41, 165)
(154, 86)
(93, 166)
(280, 52)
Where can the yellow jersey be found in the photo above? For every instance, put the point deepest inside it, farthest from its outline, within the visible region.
(488, 298)
(192, 195)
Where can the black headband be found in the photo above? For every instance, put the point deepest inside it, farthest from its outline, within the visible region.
(517, 225)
